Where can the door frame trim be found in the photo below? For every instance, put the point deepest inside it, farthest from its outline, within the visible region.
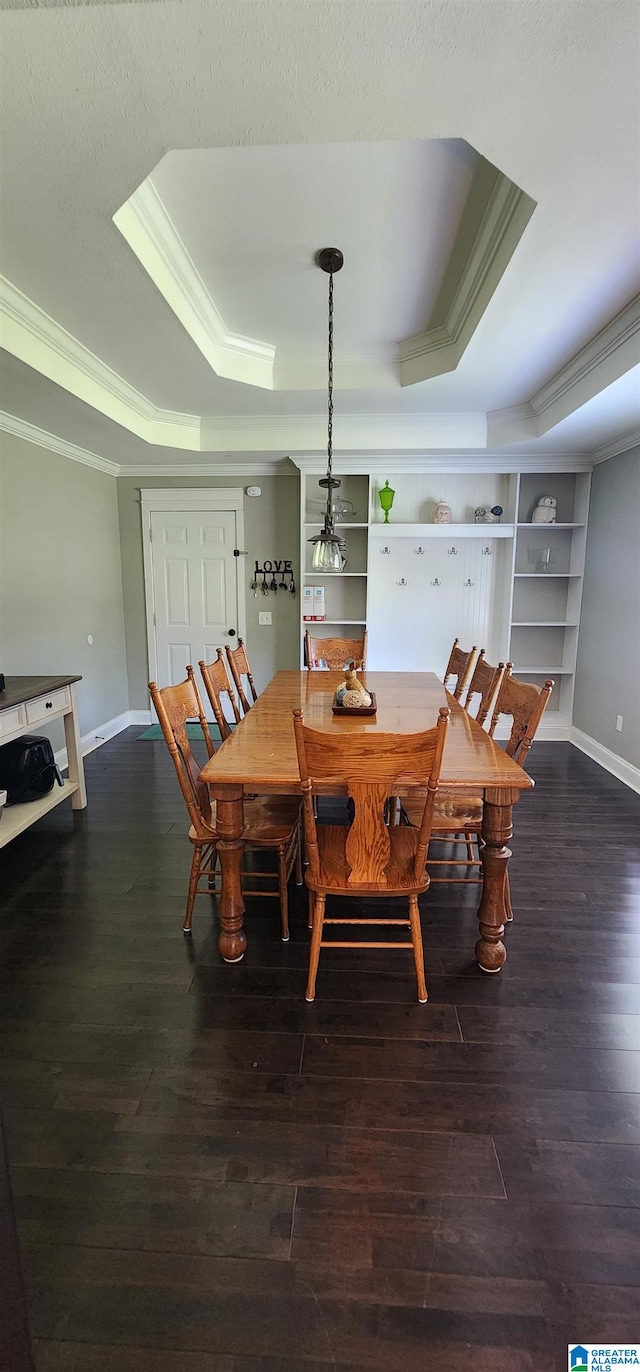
(225, 499)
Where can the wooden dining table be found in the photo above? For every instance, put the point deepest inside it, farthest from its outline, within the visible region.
(260, 758)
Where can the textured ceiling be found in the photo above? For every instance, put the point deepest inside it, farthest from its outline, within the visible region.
(95, 96)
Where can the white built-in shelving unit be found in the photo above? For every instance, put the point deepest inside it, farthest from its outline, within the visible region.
(416, 585)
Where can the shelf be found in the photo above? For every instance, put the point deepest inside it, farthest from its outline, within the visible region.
(333, 576)
(528, 525)
(441, 530)
(543, 624)
(317, 524)
(315, 623)
(17, 818)
(548, 576)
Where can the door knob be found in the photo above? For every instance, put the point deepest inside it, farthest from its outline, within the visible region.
(231, 633)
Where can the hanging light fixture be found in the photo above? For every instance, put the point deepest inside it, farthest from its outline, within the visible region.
(329, 548)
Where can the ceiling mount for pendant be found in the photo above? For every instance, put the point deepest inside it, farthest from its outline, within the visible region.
(330, 259)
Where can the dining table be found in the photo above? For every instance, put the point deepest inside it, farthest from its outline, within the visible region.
(259, 758)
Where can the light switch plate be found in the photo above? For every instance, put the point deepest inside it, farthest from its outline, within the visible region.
(264, 616)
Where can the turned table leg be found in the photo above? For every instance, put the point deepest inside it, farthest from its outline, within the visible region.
(496, 832)
(232, 940)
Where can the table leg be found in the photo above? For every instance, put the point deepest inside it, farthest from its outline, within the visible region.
(496, 831)
(74, 752)
(232, 940)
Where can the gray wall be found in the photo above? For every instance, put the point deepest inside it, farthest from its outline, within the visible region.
(60, 578)
(272, 524)
(608, 667)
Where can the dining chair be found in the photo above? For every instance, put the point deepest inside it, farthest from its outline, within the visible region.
(458, 666)
(217, 685)
(458, 815)
(239, 664)
(338, 653)
(271, 823)
(367, 857)
(485, 682)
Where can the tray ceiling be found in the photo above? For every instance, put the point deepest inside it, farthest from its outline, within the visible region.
(264, 132)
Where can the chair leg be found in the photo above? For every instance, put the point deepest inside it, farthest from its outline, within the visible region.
(284, 894)
(470, 853)
(418, 952)
(299, 877)
(212, 873)
(311, 905)
(316, 939)
(193, 886)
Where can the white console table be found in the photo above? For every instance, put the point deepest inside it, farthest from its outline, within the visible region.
(25, 703)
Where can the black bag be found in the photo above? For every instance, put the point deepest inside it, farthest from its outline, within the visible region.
(28, 768)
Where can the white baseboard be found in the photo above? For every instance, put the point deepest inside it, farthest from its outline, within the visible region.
(624, 771)
(95, 739)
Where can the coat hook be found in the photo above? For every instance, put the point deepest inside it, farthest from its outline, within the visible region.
(385, 550)
(467, 582)
(453, 552)
(419, 552)
(402, 583)
(436, 582)
(487, 552)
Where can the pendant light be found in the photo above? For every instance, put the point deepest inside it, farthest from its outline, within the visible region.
(329, 548)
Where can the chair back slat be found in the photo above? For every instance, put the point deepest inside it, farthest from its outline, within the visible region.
(175, 706)
(372, 767)
(338, 653)
(239, 664)
(485, 682)
(217, 685)
(526, 703)
(459, 666)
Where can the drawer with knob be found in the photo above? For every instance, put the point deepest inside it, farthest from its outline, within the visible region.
(47, 706)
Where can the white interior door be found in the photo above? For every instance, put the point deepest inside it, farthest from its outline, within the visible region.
(195, 591)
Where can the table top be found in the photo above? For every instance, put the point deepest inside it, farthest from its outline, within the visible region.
(17, 689)
(261, 751)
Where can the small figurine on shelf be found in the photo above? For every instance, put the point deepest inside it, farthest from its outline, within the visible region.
(386, 496)
(442, 513)
(545, 511)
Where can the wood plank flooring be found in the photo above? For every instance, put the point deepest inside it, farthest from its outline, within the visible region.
(210, 1174)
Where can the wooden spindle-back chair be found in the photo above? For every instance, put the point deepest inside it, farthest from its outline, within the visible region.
(338, 653)
(239, 664)
(368, 858)
(485, 682)
(269, 824)
(459, 666)
(218, 687)
(458, 815)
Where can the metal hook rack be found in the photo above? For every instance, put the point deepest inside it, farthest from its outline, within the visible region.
(436, 581)
(419, 552)
(453, 552)
(385, 551)
(468, 582)
(402, 582)
(487, 552)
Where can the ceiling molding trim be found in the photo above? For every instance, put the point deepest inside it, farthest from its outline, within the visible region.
(21, 428)
(514, 424)
(607, 356)
(144, 222)
(252, 467)
(617, 446)
(439, 349)
(356, 432)
(388, 464)
(35, 338)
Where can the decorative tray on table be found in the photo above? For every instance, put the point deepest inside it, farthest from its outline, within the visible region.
(346, 710)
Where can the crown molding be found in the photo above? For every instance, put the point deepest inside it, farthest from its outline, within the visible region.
(21, 428)
(617, 446)
(252, 467)
(144, 222)
(36, 339)
(606, 357)
(356, 432)
(502, 225)
(397, 464)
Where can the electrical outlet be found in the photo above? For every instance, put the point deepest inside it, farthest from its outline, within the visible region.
(264, 616)
(619, 723)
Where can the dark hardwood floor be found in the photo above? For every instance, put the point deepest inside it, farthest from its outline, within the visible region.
(210, 1175)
